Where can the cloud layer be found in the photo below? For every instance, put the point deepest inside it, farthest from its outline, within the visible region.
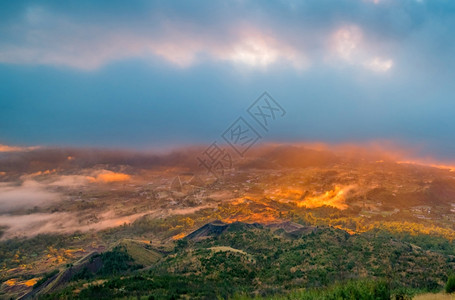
(247, 33)
(164, 73)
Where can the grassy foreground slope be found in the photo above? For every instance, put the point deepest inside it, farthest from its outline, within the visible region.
(250, 260)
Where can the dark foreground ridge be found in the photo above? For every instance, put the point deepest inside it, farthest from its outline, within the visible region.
(229, 259)
(217, 227)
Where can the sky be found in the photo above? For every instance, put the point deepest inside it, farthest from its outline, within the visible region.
(145, 74)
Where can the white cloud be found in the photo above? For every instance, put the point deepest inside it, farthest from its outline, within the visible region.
(49, 39)
(55, 40)
(346, 42)
(70, 180)
(93, 52)
(26, 195)
(349, 46)
(379, 65)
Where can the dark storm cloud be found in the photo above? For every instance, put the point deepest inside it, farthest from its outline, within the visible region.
(159, 73)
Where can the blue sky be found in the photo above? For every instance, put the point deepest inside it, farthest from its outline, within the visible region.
(161, 73)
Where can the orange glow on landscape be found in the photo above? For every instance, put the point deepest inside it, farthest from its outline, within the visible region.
(238, 201)
(179, 236)
(411, 228)
(351, 232)
(122, 221)
(287, 193)
(382, 150)
(433, 165)
(31, 282)
(11, 282)
(6, 148)
(15, 282)
(47, 172)
(334, 198)
(262, 217)
(70, 252)
(109, 176)
(144, 241)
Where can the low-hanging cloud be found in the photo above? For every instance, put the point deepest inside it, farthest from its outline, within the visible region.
(70, 222)
(27, 195)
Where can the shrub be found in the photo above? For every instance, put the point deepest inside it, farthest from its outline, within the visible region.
(450, 286)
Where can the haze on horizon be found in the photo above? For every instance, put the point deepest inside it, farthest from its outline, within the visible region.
(154, 74)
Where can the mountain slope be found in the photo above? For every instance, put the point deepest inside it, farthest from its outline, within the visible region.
(221, 260)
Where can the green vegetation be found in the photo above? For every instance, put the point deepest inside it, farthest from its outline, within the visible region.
(246, 261)
(116, 262)
(110, 263)
(352, 290)
(142, 253)
(450, 285)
